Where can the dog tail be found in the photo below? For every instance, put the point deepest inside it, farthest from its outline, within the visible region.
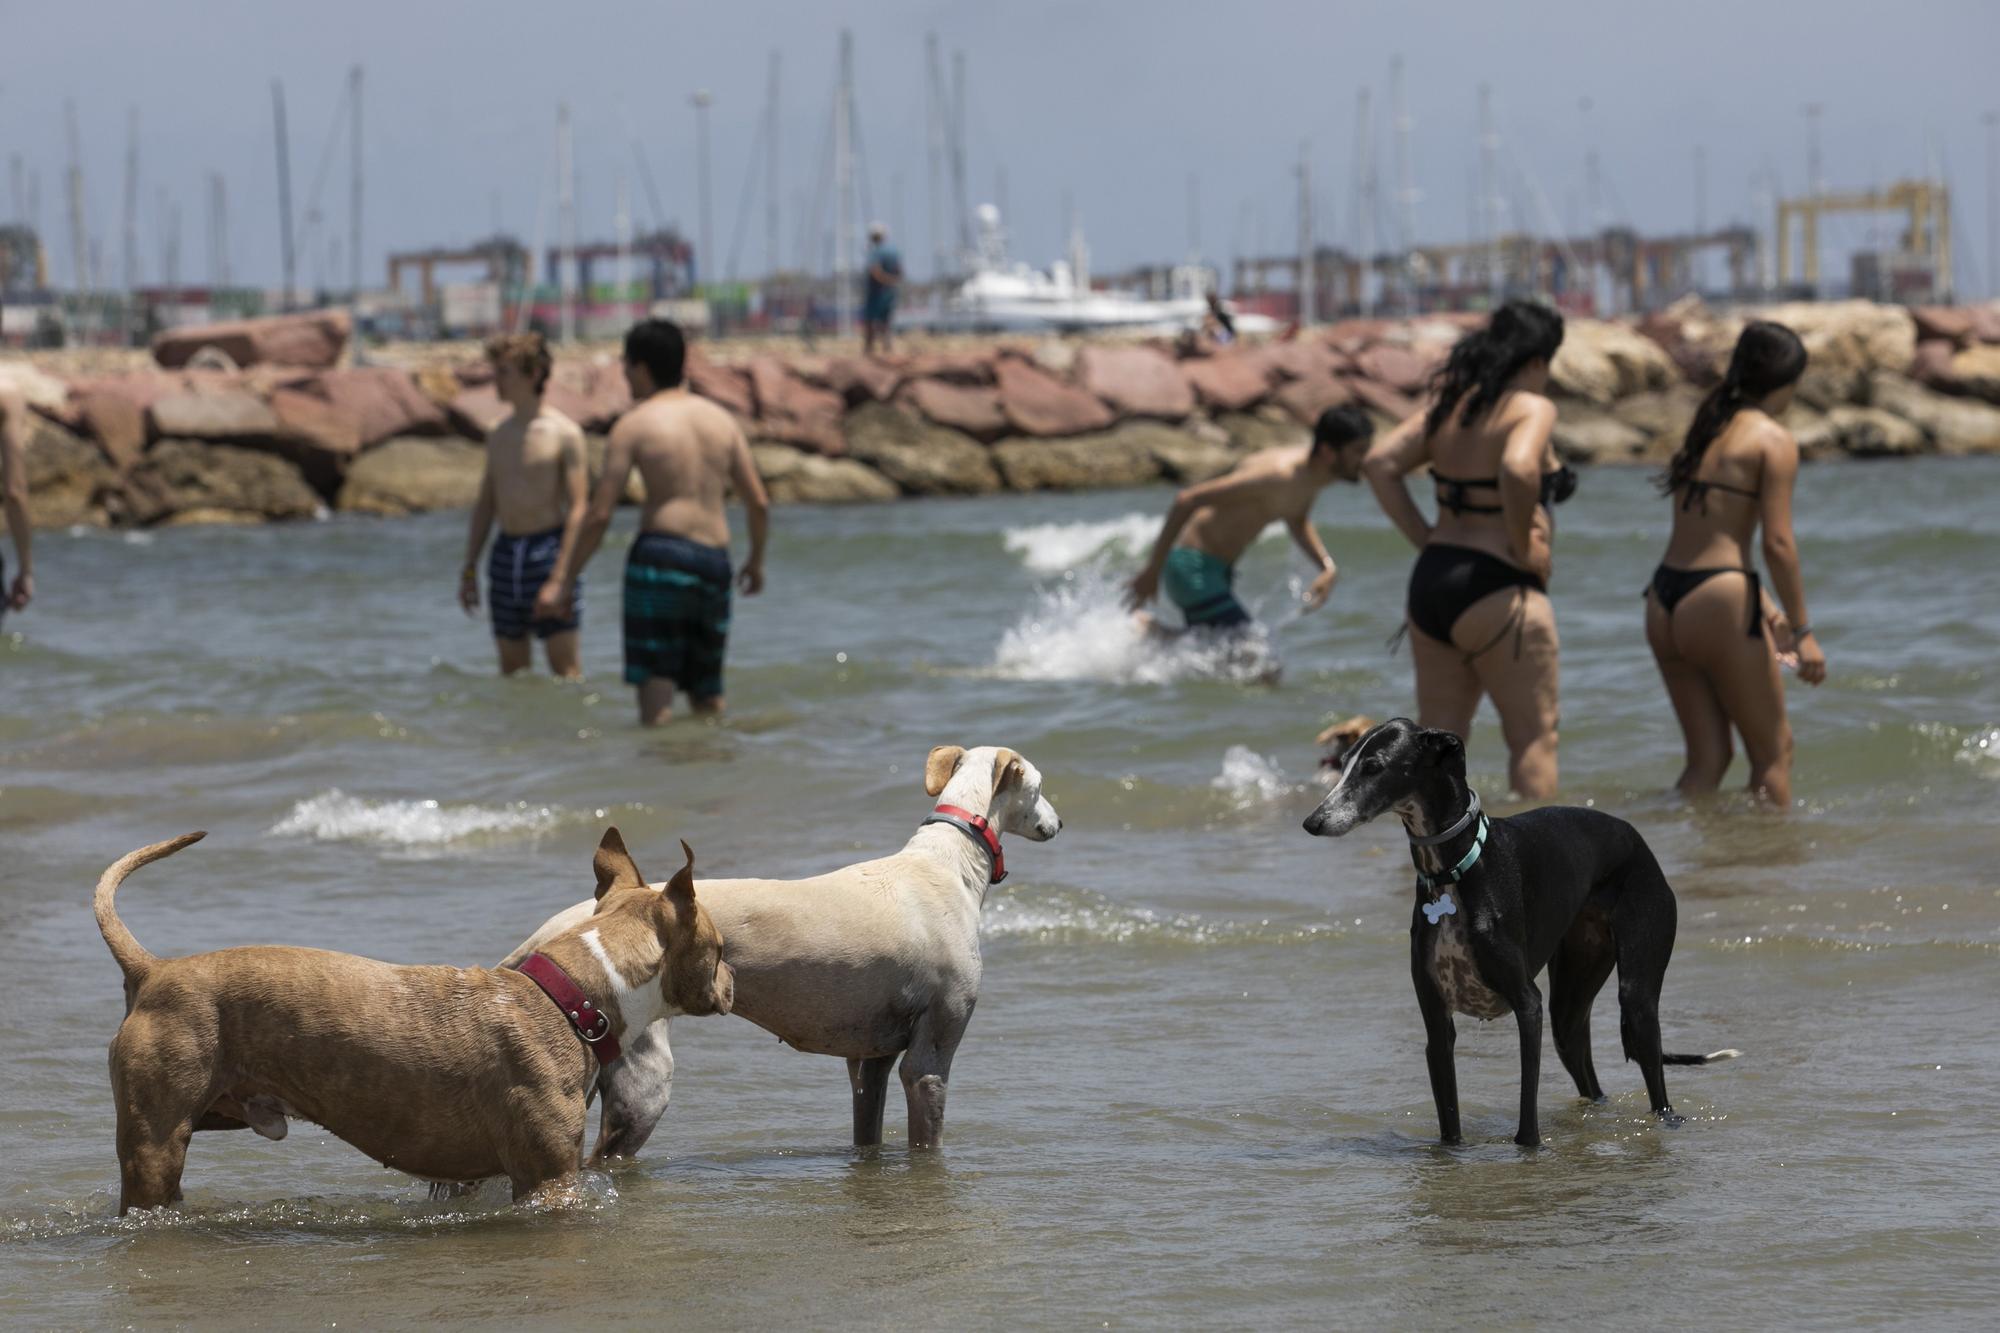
(1669, 1058)
(133, 957)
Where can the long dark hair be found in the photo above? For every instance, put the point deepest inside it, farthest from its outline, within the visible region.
(1768, 357)
(1483, 363)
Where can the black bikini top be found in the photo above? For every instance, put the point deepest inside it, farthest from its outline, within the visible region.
(1697, 492)
(1557, 486)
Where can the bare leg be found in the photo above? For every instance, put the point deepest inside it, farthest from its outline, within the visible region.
(656, 702)
(565, 655)
(1447, 689)
(1525, 690)
(515, 655)
(1704, 724)
(1743, 672)
(713, 706)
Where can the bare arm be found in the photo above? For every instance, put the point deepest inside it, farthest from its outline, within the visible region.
(749, 488)
(1781, 550)
(604, 500)
(475, 542)
(1521, 485)
(14, 494)
(1307, 537)
(1390, 459)
(576, 503)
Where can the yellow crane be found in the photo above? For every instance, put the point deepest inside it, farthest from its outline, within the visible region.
(1928, 205)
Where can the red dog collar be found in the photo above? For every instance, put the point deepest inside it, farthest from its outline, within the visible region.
(591, 1023)
(976, 828)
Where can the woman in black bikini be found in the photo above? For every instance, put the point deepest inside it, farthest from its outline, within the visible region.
(1478, 607)
(1715, 635)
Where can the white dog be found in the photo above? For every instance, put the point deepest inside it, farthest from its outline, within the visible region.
(869, 962)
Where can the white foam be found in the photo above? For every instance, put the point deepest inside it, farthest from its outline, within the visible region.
(1248, 778)
(1982, 748)
(1079, 629)
(334, 816)
(1051, 548)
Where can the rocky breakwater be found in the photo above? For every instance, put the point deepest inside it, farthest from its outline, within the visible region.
(272, 420)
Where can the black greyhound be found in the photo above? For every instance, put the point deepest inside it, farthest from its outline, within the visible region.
(1497, 899)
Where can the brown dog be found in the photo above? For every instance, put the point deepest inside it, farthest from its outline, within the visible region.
(448, 1074)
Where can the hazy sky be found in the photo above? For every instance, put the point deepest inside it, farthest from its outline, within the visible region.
(1111, 105)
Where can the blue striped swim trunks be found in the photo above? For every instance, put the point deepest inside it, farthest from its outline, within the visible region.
(515, 571)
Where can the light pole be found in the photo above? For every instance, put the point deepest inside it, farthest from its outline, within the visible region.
(701, 99)
(1992, 121)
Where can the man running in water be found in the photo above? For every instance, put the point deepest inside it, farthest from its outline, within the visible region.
(536, 482)
(690, 454)
(1212, 524)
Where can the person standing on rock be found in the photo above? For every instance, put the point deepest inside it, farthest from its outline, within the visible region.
(1213, 523)
(1478, 611)
(690, 454)
(1717, 639)
(536, 483)
(885, 275)
(14, 493)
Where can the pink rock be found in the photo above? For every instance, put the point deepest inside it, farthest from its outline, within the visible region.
(726, 385)
(310, 338)
(318, 436)
(1382, 398)
(1037, 403)
(1137, 381)
(476, 411)
(964, 368)
(794, 412)
(113, 409)
(974, 409)
(381, 401)
(592, 395)
(215, 412)
(1227, 381)
(861, 379)
(1986, 322)
(1352, 335)
(1951, 323)
(1401, 368)
(1296, 359)
(1305, 399)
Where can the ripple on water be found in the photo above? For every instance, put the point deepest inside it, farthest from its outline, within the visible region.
(334, 816)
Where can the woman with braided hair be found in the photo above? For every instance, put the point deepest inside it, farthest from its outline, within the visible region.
(1716, 636)
(1478, 611)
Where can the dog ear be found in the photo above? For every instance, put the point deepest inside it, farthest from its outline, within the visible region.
(614, 866)
(940, 766)
(1443, 747)
(680, 889)
(1006, 768)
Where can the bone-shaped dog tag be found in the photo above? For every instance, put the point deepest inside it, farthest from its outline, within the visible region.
(1443, 907)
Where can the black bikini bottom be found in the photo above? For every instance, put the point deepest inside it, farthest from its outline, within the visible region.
(1448, 579)
(1670, 585)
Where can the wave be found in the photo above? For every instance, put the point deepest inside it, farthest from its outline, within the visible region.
(1079, 629)
(334, 816)
(1249, 778)
(1065, 916)
(1052, 548)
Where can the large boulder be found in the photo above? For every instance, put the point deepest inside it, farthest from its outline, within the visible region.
(1662, 416)
(1405, 369)
(35, 387)
(1985, 322)
(477, 410)
(1306, 398)
(220, 412)
(216, 482)
(1137, 381)
(1590, 435)
(727, 385)
(114, 410)
(1182, 455)
(1602, 362)
(1122, 457)
(793, 476)
(1872, 432)
(859, 379)
(69, 481)
(1269, 427)
(973, 409)
(919, 456)
(1226, 382)
(593, 394)
(967, 367)
(1858, 335)
(1816, 434)
(790, 411)
(1296, 359)
(1976, 371)
(1954, 425)
(316, 435)
(312, 338)
(1383, 401)
(381, 401)
(1037, 403)
(1932, 363)
(412, 475)
(1952, 323)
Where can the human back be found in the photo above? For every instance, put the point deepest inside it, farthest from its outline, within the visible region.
(1472, 450)
(685, 448)
(1716, 511)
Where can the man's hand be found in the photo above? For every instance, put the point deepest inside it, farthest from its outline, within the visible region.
(24, 592)
(1321, 589)
(1143, 588)
(751, 580)
(468, 590)
(552, 601)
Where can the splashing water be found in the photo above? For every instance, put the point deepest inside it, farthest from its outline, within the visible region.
(1051, 548)
(334, 816)
(1079, 629)
(1248, 778)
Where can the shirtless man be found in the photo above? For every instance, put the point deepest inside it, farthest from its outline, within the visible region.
(1212, 524)
(536, 483)
(690, 454)
(14, 493)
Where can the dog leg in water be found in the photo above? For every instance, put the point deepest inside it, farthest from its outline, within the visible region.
(869, 1080)
(1440, 1037)
(635, 1090)
(1528, 1015)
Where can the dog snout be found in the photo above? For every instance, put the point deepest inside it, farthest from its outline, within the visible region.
(1328, 822)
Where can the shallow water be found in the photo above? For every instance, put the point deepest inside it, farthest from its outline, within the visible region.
(1194, 1091)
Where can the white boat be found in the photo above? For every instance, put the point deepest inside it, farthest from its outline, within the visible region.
(1008, 296)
